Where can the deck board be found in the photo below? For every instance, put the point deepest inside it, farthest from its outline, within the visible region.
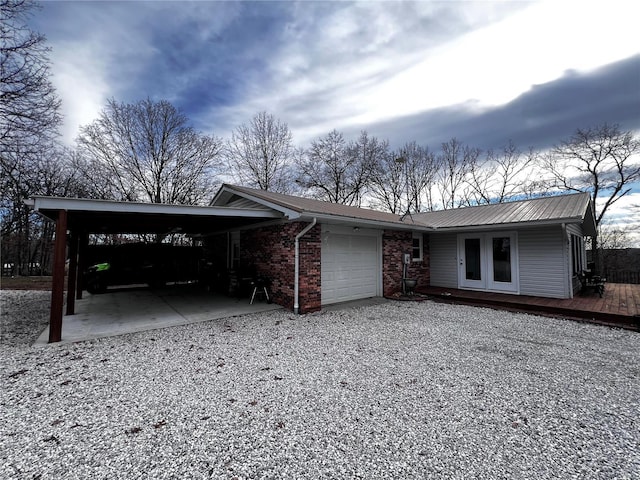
(619, 306)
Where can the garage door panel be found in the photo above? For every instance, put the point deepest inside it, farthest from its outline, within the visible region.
(350, 267)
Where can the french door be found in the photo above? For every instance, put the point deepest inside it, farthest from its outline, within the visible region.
(488, 261)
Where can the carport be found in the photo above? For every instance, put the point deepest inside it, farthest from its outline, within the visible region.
(76, 219)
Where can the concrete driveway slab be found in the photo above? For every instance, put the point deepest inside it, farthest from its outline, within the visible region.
(128, 310)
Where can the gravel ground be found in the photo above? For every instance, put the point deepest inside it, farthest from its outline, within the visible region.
(398, 390)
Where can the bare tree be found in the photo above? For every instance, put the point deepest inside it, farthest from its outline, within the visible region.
(29, 122)
(614, 237)
(635, 226)
(259, 154)
(29, 106)
(503, 175)
(602, 161)
(403, 181)
(337, 172)
(422, 166)
(147, 152)
(387, 186)
(26, 237)
(456, 161)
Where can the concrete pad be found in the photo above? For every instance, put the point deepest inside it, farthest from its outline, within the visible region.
(128, 310)
(365, 302)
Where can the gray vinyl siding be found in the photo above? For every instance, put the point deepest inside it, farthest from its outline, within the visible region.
(246, 203)
(543, 262)
(575, 229)
(443, 251)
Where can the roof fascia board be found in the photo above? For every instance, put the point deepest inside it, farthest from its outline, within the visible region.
(509, 226)
(363, 222)
(288, 212)
(253, 226)
(77, 204)
(309, 215)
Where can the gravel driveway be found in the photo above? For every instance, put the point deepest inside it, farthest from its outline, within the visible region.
(398, 390)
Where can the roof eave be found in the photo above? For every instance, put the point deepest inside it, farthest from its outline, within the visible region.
(43, 204)
(510, 226)
(227, 189)
(362, 222)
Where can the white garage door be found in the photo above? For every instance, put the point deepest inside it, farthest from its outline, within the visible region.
(350, 267)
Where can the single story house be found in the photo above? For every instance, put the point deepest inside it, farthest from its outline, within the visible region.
(339, 253)
(318, 253)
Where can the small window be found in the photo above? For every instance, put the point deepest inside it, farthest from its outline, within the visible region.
(416, 248)
(577, 256)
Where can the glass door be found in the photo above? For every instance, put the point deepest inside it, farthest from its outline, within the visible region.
(502, 263)
(488, 261)
(471, 265)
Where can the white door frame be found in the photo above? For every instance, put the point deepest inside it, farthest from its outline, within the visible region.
(487, 280)
(329, 229)
(463, 281)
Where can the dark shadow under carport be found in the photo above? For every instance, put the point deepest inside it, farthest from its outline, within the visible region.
(77, 218)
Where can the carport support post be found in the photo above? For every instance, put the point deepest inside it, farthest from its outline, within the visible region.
(57, 284)
(73, 273)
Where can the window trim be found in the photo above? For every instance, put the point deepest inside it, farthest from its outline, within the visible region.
(577, 254)
(420, 238)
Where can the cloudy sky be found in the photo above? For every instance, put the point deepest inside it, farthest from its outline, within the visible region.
(485, 72)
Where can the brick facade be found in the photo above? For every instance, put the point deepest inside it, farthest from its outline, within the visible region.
(394, 244)
(271, 251)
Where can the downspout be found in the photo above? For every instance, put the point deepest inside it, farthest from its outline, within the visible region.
(566, 242)
(296, 280)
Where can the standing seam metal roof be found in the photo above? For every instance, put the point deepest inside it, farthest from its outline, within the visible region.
(545, 209)
(311, 206)
(554, 209)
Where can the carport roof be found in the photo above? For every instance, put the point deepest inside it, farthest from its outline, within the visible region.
(106, 216)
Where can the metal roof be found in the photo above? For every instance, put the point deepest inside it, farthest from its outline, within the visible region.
(573, 208)
(299, 207)
(103, 216)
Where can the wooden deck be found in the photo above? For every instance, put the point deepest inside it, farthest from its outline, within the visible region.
(619, 306)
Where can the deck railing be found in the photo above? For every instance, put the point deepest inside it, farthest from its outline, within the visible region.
(623, 276)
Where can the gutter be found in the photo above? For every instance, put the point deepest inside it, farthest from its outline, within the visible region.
(508, 226)
(367, 223)
(296, 280)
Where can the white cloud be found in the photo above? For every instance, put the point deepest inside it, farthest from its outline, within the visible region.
(337, 65)
(494, 65)
(88, 66)
(625, 214)
(367, 64)
(103, 50)
(81, 84)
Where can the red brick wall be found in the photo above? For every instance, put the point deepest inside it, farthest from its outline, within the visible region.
(310, 286)
(271, 250)
(394, 244)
